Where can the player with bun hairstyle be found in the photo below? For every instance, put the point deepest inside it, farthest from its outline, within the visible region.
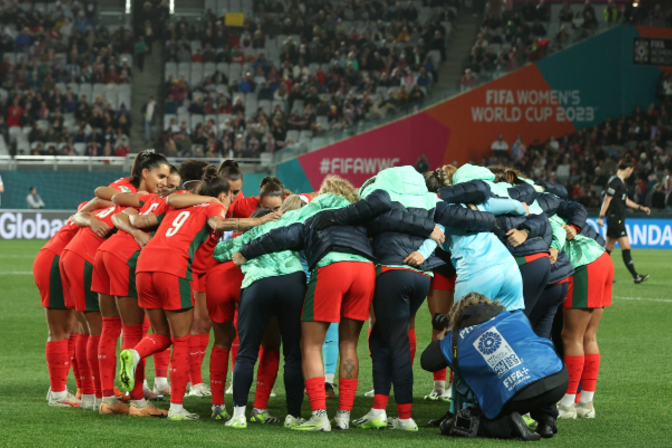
(150, 172)
(230, 171)
(613, 208)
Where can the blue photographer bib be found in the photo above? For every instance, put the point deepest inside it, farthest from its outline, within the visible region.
(500, 357)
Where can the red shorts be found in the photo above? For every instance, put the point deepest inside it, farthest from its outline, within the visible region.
(158, 290)
(48, 279)
(198, 282)
(222, 291)
(590, 286)
(79, 273)
(121, 275)
(441, 283)
(100, 282)
(343, 289)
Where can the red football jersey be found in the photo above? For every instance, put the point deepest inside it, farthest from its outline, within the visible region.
(243, 207)
(123, 185)
(180, 235)
(85, 243)
(62, 237)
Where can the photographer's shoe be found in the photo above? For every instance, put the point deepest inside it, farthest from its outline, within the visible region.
(436, 422)
(519, 427)
(567, 412)
(585, 410)
(547, 428)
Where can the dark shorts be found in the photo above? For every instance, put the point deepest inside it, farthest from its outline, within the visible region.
(616, 227)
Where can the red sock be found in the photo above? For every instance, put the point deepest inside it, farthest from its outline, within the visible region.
(404, 410)
(132, 336)
(83, 364)
(205, 341)
(266, 374)
(152, 343)
(574, 369)
(161, 363)
(219, 363)
(440, 375)
(92, 358)
(72, 344)
(451, 376)
(591, 368)
(107, 354)
(195, 375)
(380, 401)
(346, 394)
(414, 344)
(58, 364)
(179, 369)
(316, 393)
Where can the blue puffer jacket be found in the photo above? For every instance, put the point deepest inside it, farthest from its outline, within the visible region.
(402, 230)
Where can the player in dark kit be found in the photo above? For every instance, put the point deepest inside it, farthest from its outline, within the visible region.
(615, 201)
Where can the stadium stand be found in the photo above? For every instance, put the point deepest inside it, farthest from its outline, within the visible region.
(295, 72)
(65, 81)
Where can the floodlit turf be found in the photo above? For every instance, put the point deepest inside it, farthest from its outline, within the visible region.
(632, 400)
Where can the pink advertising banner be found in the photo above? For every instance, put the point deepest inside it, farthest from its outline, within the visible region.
(395, 144)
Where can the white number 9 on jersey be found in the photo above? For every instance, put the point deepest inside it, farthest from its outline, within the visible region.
(177, 223)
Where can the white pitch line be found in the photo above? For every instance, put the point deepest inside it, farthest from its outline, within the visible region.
(16, 273)
(646, 299)
(16, 256)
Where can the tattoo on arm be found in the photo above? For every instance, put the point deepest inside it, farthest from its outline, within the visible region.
(237, 224)
(145, 221)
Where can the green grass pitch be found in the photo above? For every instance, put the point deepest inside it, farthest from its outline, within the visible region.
(633, 399)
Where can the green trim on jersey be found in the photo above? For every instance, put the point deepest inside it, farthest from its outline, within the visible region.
(56, 298)
(92, 303)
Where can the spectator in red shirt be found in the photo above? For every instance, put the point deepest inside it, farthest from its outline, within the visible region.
(14, 114)
(468, 81)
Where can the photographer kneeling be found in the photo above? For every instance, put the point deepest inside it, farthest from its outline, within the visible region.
(504, 370)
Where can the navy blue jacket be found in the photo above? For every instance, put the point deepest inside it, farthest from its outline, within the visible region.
(399, 231)
(350, 239)
(539, 229)
(315, 243)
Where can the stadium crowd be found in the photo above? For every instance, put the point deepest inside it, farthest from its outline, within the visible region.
(298, 70)
(510, 36)
(64, 80)
(585, 160)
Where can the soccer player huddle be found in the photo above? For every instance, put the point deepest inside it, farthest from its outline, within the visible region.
(166, 255)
